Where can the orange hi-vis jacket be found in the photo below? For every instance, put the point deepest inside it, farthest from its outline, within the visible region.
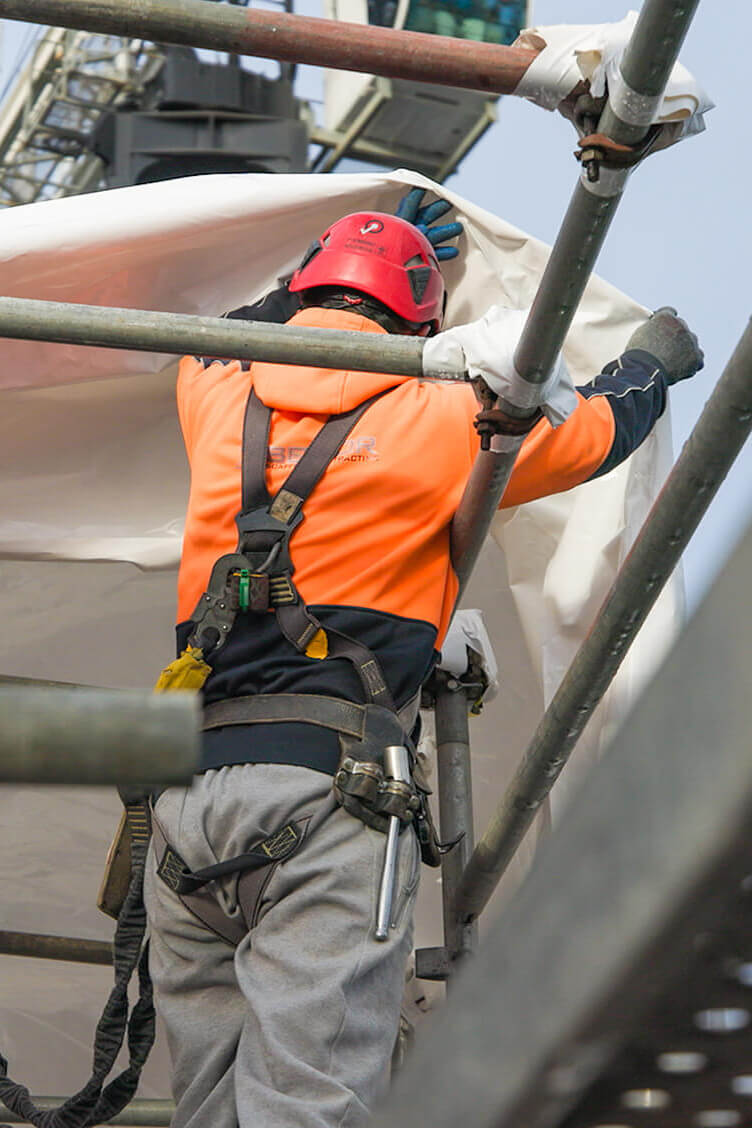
(371, 556)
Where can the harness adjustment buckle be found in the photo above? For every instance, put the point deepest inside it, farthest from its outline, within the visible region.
(281, 590)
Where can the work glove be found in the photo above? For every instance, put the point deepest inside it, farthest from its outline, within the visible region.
(485, 349)
(673, 344)
(575, 58)
(424, 218)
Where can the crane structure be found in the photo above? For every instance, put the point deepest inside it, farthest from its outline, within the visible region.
(87, 110)
(65, 85)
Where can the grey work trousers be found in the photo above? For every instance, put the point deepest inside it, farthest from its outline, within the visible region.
(295, 1027)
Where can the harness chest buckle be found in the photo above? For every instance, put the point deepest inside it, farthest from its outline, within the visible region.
(250, 590)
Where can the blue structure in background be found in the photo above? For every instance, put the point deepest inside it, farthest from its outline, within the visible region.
(486, 21)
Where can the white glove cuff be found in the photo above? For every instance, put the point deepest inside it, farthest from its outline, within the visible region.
(442, 356)
(486, 348)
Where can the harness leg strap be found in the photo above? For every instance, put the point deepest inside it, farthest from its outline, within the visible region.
(255, 868)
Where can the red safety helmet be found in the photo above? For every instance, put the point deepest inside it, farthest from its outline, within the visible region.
(383, 256)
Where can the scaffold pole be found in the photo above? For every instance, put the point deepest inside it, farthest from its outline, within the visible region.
(176, 333)
(41, 946)
(337, 44)
(97, 736)
(142, 1113)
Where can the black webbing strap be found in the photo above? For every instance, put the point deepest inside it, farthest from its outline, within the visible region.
(310, 708)
(256, 426)
(276, 848)
(312, 464)
(97, 1102)
(296, 622)
(255, 868)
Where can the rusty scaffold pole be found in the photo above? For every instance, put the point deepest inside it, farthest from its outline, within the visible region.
(289, 38)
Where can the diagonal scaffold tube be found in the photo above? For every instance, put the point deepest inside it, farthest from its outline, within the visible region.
(645, 69)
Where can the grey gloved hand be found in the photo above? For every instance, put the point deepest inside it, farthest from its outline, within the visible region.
(673, 344)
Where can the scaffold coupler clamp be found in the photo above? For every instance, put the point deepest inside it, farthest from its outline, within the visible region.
(596, 150)
(493, 420)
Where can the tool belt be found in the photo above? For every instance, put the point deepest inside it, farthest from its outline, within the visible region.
(360, 786)
(360, 783)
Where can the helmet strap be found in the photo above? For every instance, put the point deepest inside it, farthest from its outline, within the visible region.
(331, 297)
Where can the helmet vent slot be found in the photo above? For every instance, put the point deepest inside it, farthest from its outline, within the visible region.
(419, 276)
(311, 253)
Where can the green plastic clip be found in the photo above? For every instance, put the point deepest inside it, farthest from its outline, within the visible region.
(244, 588)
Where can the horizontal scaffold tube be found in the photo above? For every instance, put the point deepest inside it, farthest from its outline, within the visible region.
(177, 333)
(143, 1113)
(289, 38)
(708, 454)
(648, 60)
(40, 946)
(97, 736)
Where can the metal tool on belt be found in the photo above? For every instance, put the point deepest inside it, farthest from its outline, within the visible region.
(396, 772)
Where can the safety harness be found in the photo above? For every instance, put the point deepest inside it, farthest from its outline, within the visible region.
(258, 576)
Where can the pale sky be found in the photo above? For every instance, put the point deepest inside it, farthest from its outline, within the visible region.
(681, 236)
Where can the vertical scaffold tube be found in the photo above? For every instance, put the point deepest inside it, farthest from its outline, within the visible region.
(649, 58)
(455, 806)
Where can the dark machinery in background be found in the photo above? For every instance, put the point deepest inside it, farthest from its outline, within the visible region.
(197, 117)
(84, 110)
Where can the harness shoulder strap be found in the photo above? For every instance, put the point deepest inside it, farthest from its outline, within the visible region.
(307, 472)
(296, 621)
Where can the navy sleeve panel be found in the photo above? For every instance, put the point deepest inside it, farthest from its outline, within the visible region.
(636, 388)
(277, 306)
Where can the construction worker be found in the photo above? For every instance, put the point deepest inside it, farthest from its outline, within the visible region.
(315, 589)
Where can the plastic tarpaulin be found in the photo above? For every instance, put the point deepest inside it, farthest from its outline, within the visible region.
(92, 496)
